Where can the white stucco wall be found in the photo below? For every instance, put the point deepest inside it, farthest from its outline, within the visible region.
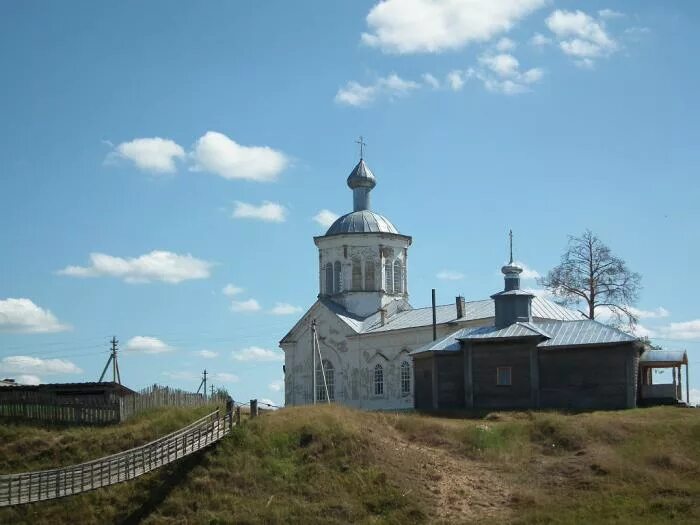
(354, 358)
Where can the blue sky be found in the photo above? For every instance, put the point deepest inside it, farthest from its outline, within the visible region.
(548, 117)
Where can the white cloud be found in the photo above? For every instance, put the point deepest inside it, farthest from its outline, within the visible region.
(22, 364)
(355, 94)
(216, 153)
(267, 211)
(430, 80)
(224, 377)
(504, 65)
(657, 313)
(609, 13)
(501, 74)
(325, 218)
(505, 44)
(285, 309)
(685, 330)
(276, 385)
(23, 316)
(154, 266)
(267, 401)
(581, 36)
(155, 154)
(251, 305)
(528, 273)
(147, 345)
(230, 290)
(455, 79)
(391, 86)
(429, 26)
(207, 354)
(28, 379)
(539, 40)
(450, 275)
(255, 353)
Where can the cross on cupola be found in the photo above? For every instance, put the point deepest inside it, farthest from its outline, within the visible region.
(362, 144)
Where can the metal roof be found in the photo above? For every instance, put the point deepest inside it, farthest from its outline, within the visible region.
(401, 315)
(361, 176)
(516, 330)
(585, 332)
(555, 334)
(653, 357)
(363, 221)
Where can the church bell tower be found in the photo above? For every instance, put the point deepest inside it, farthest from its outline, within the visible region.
(362, 256)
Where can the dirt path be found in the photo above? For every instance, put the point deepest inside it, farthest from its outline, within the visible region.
(460, 490)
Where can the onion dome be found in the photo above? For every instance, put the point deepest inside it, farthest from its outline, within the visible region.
(361, 177)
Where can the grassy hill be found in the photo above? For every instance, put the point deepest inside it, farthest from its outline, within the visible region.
(335, 465)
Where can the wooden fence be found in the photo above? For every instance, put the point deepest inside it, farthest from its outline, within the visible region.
(42, 485)
(52, 408)
(162, 396)
(96, 410)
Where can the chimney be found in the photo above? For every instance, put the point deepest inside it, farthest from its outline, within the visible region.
(382, 314)
(461, 305)
(434, 318)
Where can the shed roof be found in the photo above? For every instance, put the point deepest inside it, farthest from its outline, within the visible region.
(663, 357)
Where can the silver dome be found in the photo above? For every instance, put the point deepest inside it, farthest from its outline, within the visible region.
(361, 177)
(364, 221)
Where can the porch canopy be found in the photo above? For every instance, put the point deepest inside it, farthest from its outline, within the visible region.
(673, 359)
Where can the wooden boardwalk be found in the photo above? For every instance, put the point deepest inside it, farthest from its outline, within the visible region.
(42, 485)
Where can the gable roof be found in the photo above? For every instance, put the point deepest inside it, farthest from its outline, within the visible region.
(585, 332)
(401, 315)
(407, 317)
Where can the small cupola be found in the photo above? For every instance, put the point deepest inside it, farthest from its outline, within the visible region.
(361, 181)
(512, 305)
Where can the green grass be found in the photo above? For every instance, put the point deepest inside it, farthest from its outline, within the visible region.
(336, 465)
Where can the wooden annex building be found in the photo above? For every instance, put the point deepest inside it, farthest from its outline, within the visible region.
(519, 362)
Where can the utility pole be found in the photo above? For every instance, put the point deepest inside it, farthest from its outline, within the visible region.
(116, 376)
(203, 384)
(211, 390)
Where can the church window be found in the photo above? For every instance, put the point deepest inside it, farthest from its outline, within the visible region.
(504, 376)
(330, 381)
(329, 279)
(356, 273)
(378, 380)
(398, 277)
(337, 278)
(405, 378)
(388, 277)
(369, 275)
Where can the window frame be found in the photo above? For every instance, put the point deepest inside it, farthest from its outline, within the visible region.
(509, 370)
(405, 367)
(328, 278)
(330, 381)
(378, 380)
(337, 277)
(389, 277)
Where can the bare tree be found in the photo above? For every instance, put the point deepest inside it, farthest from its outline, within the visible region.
(589, 273)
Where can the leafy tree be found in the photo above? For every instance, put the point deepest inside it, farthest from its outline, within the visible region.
(590, 274)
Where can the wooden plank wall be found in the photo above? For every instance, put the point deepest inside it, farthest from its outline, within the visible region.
(16, 489)
(49, 407)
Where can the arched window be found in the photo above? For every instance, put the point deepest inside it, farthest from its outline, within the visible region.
(378, 380)
(329, 279)
(405, 378)
(356, 273)
(370, 283)
(398, 277)
(337, 278)
(388, 277)
(330, 381)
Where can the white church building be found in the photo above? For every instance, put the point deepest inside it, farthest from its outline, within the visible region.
(360, 331)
